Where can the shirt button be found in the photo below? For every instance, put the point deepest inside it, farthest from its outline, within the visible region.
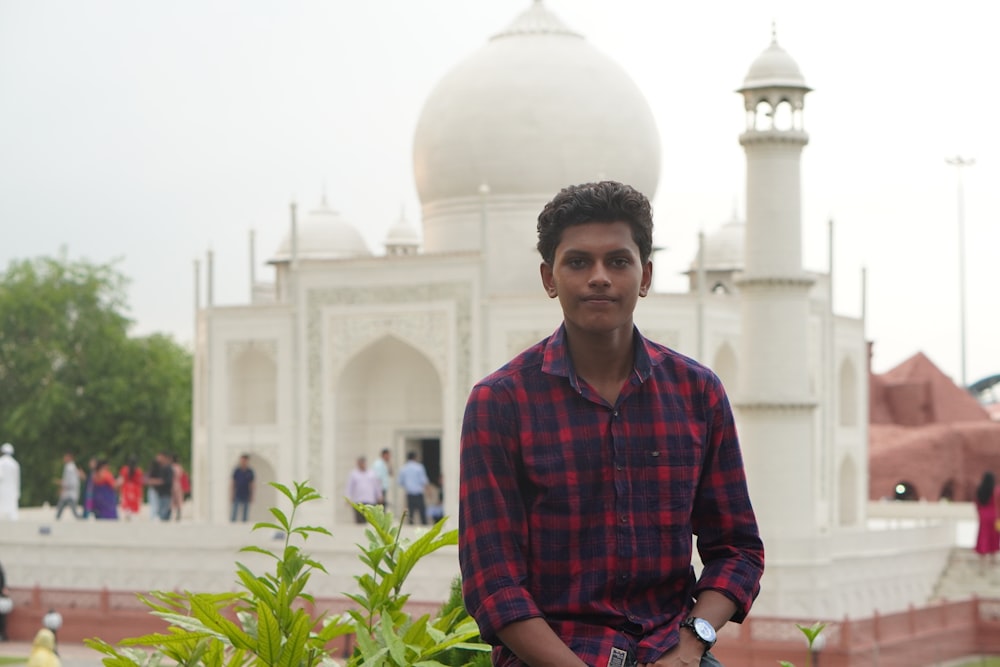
(624, 519)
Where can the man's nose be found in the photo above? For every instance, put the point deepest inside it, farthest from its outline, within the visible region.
(599, 277)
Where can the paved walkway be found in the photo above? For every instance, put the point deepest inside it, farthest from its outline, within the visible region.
(71, 655)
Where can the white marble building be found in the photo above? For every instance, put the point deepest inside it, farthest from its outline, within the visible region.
(350, 350)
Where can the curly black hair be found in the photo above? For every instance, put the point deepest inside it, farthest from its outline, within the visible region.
(606, 201)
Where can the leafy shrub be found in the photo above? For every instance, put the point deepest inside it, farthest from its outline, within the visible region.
(272, 623)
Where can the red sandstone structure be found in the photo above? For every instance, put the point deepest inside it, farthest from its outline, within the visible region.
(928, 435)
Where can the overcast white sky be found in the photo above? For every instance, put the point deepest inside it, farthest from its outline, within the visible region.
(153, 131)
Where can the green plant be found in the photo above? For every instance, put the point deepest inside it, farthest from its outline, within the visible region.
(811, 633)
(272, 625)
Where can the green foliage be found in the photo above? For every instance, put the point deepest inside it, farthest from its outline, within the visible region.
(72, 379)
(273, 627)
(811, 633)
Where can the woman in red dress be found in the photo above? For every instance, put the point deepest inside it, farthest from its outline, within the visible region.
(130, 482)
(988, 507)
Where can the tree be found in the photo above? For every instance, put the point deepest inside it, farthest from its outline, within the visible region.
(71, 378)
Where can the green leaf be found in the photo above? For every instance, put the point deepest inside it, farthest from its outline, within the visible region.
(268, 636)
(298, 634)
(282, 519)
(212, 619)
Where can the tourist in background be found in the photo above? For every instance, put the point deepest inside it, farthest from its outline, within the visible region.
(105, 492)
(383, 470)
(241, 489)
(413, 479)
(363, 488)
(69, 487)
(3, 616)
(988, 508)
(10, 483)
(177, 489)
(88, 487)
(130, 485)
(43, 650)
(161, 479)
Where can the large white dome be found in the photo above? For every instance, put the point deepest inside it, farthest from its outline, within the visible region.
(536, 109)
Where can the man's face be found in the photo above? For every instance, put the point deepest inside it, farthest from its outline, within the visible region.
(598, 276)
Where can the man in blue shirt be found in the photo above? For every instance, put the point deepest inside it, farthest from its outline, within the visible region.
(413, 479)
(242, 489)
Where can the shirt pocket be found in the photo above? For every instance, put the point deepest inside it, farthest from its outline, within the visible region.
(669, 482)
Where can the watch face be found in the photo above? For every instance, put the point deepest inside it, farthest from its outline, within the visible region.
(704, 630)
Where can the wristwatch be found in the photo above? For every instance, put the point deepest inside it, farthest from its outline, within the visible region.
(702, 629)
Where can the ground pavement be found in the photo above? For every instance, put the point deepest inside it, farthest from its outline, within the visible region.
(71, 655)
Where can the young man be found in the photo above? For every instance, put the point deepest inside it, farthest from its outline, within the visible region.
(591, 459)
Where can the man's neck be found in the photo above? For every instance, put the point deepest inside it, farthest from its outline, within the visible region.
(604, 362)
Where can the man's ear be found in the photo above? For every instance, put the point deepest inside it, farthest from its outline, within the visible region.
(647, 278)
(545, 269)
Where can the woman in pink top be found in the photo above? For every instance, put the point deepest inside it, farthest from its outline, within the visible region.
(987, 504)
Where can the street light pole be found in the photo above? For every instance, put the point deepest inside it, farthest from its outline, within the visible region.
(959, 162)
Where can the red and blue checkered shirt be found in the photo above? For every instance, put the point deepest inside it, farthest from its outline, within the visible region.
(583, 513)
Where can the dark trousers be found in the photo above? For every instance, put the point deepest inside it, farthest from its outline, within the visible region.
(414, 504)
(71, 504)
(707, 660)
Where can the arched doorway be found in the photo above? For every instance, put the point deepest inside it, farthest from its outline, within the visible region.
(388, 395)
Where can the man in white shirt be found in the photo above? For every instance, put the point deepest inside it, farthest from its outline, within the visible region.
(10, 483)
(383, 470)
(363, 488)
(69, 487)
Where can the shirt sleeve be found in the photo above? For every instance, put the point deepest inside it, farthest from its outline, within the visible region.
(492, 524)
(729, 542)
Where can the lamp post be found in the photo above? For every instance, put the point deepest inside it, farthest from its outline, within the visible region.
(53, 620)
(816, 647)
(959, 162)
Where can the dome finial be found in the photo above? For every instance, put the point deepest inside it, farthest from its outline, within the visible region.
(774, 31)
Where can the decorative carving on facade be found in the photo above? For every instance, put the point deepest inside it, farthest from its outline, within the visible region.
(518, 341)
(236, 348)
(384, 310)
(669, 337)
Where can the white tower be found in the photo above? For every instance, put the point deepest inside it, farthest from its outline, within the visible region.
(776, 405)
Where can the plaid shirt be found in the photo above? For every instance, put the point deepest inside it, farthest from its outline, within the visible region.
(583, 513)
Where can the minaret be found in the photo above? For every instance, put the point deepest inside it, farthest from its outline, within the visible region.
(776, 406)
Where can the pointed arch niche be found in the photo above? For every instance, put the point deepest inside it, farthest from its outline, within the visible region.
(253, 382)
(847, 492)
(386, 389)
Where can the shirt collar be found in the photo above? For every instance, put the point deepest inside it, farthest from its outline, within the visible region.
(556, 359)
